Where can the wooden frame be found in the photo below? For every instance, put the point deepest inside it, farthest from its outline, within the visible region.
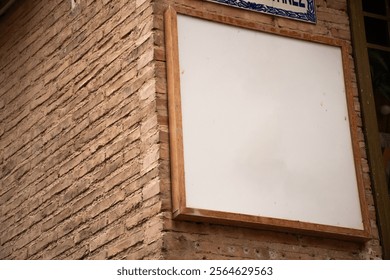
(370, 124)
(180, 208)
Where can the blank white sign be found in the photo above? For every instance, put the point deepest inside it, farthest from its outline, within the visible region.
(265, 125)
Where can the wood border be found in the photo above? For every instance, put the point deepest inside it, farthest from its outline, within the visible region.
(174, 111)
(180, 209)
(370, 124)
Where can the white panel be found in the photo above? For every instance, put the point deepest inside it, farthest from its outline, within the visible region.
(265, 125)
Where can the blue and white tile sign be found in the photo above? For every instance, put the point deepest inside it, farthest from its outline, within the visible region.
(303, 10)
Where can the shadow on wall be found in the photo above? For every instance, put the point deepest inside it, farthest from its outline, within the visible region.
(5, 5)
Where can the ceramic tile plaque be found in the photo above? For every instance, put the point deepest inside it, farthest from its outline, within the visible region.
(303, 10)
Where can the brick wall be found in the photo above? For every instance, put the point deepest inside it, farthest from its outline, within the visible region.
(207, 241)
(78, 131)
(84, 154)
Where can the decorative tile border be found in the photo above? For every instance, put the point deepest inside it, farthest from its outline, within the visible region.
(303, 10)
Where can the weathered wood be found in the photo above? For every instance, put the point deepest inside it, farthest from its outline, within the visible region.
(378, 176)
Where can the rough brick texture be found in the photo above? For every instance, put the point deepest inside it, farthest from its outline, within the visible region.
(84, 154)
(79, 137)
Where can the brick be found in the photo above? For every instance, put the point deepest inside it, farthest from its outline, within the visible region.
(141, 216)
(55, 220)
(87, 106)
(153, 227)
(90, 229)
(60, 247)
(61, 185)
(32, 234)
(145, 58)
(89, 165)
(151, 189)
(84, 140)
(126, 242)
(131, 153)
(332, 16)
(150, 159)
(340, 5)
(20, 254)
(140, 252)
(106, 237)
(109, 167)
(78, 253)
(106, 203)
(86, 200)
(120, 82)
(122, 210)
(75, 190)
(147, 91)
(41, 243)
(14, 202)
(6, 251)
(101, 255)
(121, 176)
(120, 143)
(71, 224)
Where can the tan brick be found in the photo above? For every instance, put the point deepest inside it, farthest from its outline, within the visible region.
(153, 227)
(20, 254)
(60, 247)
(106, 203)
(84, 152)
(131, 154)
(128, 241)
(100, 255)
(86, 200)
(109, 167)
(119, 144)
(106, 236)
(122, 210)
(70, 225)
(150, 159)
(121, 176)
(78, 253)
(152, 251)
(90, 229)
(6, 251)
(147, 91)
(141, 215)
(145, 58)
(32, 234)
(41, 243)
(55, 220)
(151, 189)
(75, 190)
